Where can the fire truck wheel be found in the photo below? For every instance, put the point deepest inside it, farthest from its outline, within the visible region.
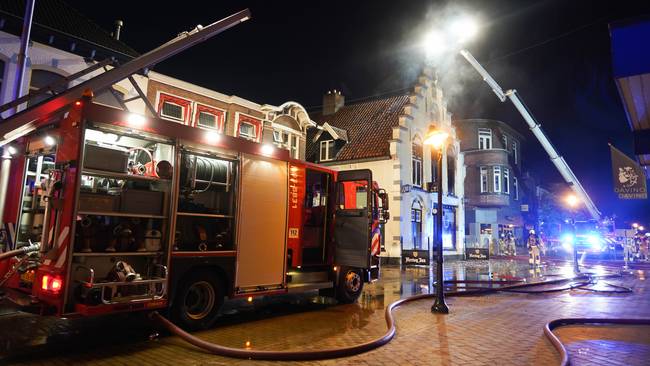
(198, 300)
(350, 286)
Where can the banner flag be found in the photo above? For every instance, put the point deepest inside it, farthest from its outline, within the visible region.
(629, 178)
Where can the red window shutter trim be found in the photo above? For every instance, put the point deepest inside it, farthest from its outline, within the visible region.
(176, 100)
(257, 123)
(220, 114)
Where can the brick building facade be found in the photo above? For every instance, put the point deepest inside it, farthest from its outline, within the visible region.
(496, 188)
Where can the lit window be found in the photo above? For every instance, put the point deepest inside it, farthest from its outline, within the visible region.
(506, 180)
(173, 111)
(496, 171)
(416, 225)
(286, 140)
(515, 187)
(484, 138)
(207, 120)
(417, 163)
(247, 130)
(327, 150)
(484, 179)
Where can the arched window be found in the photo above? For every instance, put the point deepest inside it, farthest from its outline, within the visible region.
(416, 224)
(417, 162)
(41, 79)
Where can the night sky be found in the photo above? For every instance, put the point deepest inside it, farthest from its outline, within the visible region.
(556, 54)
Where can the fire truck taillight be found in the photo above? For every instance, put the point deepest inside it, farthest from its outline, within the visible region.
(51, 284)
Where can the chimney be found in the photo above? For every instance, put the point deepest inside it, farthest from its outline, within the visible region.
(333, 100)
(118, 28)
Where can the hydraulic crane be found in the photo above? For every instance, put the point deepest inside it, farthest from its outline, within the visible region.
(536, 128)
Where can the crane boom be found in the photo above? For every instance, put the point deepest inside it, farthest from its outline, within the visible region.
(535, 127)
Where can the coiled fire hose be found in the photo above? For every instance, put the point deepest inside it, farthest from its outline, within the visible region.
(583, 281)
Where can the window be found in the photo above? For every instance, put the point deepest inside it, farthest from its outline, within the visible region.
(353, 195)
(207, 120)
(248, 127)
(506, 180)
(174, 108)
(417, 163)
(514, 151)
(209, 117)
(434, 165)
(43, 78)
(327, 150)
(286, 140)
(515, 187)
(416, 225)
(504, 140)
(247, 130)
(484, 179)
(496, 171)
(451, 173)
(484, 138)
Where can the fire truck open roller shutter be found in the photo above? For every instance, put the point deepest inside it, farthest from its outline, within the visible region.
(262, 223)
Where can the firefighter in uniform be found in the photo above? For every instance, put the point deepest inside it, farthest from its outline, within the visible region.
(533, 249)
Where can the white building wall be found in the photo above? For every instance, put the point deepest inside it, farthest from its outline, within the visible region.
(426, 106)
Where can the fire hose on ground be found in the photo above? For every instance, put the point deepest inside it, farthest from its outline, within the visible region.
(583, 281)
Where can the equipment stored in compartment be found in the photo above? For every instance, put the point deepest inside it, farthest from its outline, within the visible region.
(108, 158)
(199, 174)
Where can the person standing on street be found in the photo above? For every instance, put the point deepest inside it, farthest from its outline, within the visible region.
(533, 250)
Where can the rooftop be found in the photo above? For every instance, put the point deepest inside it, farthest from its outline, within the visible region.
(368, 126)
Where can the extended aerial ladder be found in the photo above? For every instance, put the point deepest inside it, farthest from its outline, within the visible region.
(29, 119)
(536, 128)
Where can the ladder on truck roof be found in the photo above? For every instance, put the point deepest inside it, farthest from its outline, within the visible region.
(27, 120)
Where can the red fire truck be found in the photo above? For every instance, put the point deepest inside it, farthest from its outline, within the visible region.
(135, 213)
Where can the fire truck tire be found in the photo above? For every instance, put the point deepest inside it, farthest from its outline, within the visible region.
(349, 286)
(198, 300)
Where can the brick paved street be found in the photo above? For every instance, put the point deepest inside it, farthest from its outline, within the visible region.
(498, 329)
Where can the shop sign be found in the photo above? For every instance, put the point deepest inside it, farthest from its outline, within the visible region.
(415, 257)
(477, 253)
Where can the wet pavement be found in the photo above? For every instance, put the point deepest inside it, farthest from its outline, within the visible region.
(502, 328)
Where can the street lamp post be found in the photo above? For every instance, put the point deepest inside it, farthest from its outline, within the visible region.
(572, 201)
(436, 138)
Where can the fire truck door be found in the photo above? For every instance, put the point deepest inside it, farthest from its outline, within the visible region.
(353, 218)
(262, 223)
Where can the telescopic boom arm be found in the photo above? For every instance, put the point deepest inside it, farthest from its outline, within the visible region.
(536, 128)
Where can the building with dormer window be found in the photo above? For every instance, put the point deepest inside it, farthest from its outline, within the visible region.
(386, 136)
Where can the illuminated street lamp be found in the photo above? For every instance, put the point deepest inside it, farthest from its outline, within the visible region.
(572, 201)
(436, 138)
